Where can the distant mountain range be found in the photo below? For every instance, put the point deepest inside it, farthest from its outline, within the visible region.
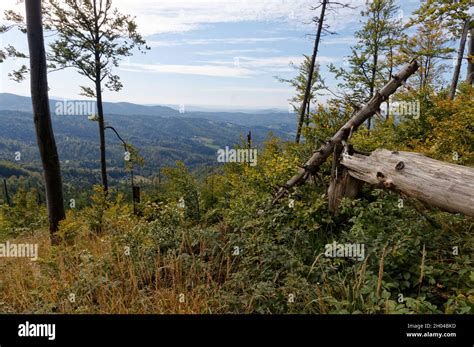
(270, 118)
(161, 134)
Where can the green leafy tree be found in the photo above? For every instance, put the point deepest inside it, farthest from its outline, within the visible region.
(430, 47)
(183, 188)
(300, 83)
(9, 51)
(371, 62)
(453, 16)
(92, 37)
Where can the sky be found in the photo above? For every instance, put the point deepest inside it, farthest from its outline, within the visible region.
(222, 54)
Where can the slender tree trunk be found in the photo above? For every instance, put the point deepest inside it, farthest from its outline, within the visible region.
(390, 75)
(308, 112)
(98, 93)
(470, 62)
(42, 117)
(372, 80)
(309, 83)
(100, 111)
(369, 121)
(457, 69)
(7, 196)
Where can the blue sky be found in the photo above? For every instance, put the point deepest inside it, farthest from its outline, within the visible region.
(224, 54)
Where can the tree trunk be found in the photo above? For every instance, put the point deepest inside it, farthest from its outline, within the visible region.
(342, 184)
(447, 186)
(372, 82)
(7, 196)
(457, 69)
(100, 111)
(98, 93)
(309, 83)
(470, 61)
(373, 106)
(308, 113)
(42, 117)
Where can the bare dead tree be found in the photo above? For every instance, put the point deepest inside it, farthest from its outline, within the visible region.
(457, 69)
(325, 6)
(470, 58)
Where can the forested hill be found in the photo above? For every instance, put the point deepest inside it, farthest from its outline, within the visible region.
(161, 134)
(160, 140)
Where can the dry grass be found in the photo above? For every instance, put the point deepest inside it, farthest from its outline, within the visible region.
(63, 280)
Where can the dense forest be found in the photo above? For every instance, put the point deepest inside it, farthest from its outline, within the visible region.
(205, 235)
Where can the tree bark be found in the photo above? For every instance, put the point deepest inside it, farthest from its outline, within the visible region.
(470, 61)
(100, 111)
(98, 93)
(309, 82)
(372, 80)
(7, 196)
(342, 184)
(373, 106)
(457, 69)
(42, 117)
(449, 187)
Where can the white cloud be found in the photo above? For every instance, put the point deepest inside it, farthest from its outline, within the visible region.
(238, 67)
(279, 63)
(235, 52)
(202, 70)
(230, 40)
(339, 40)
(164, 16)
(250, 90)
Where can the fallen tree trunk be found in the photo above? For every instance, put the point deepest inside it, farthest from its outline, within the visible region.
(449, 187)
(372, 107)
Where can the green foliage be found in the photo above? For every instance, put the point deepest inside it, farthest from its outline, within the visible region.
(94, 53)
(371, 62)
(300, 82)
(103, 209)
(183, 189)
(218, 239)
(244, 255)
(25, 216)
(443, 130)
